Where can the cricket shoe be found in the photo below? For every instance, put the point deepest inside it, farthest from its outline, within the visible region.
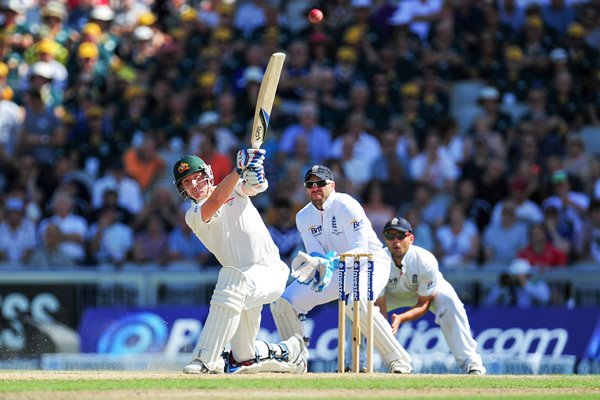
(476, 368)
(400, 367)
(197, 367)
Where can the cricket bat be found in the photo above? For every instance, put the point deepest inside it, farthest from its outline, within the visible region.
(264, 102)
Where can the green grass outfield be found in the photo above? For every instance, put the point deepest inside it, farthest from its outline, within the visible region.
(100, 385)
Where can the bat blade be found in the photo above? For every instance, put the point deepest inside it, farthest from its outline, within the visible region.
(264, 102)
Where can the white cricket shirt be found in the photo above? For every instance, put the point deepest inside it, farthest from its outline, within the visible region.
(419, 274)
(236, 234)
(342, 226)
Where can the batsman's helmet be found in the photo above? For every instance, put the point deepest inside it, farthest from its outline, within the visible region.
(188, 165)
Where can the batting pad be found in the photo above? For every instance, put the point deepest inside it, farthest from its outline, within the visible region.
(286, 319)
(223, 318)
(383, 339)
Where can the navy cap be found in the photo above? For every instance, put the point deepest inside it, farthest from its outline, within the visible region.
(398, 224)
(320, 171)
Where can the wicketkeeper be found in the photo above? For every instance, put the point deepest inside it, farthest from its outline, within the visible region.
(252, 274)
(335, 223)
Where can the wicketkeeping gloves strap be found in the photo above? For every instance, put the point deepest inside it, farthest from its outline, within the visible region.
(249, 158)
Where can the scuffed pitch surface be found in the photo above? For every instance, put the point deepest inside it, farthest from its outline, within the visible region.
(284, 386)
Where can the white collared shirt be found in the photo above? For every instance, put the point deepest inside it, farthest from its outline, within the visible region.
(342, 226)
(419, 274)
(236, 234)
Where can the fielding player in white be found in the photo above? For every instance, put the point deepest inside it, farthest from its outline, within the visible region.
(335, 223)
(252, 274)
(416, 281)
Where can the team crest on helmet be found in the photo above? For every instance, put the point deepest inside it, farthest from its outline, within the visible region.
(183, 167)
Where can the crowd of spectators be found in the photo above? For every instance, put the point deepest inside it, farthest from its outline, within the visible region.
(99, 99)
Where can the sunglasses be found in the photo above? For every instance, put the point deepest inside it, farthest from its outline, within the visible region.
(395, 235)
(320, 184)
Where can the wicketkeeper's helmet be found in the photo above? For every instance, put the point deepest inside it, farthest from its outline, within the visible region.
(188, 165)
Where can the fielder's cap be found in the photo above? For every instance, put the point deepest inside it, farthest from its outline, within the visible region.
(320, 171)
(398, 224)
(519, 266)
(14, 204)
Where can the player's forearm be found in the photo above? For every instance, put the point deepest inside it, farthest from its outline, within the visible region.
(416, 312)
(220, 195)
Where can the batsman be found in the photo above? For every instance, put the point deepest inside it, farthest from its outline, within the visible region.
(330, 224)
(252, 273)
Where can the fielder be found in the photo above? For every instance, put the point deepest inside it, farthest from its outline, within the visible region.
(335, 223)
(252, 274)
(416, 281)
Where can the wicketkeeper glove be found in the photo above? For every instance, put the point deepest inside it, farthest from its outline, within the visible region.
(314, 269)
(249, 158)
(324, 273)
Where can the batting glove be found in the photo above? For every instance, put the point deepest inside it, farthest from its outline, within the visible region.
(254, 175)
(249, 158)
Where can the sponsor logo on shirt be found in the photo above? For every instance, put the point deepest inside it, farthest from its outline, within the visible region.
(229, 201)
(357, 224)
(196, 208)
(316, 230)
(415, 279)
(430, 284)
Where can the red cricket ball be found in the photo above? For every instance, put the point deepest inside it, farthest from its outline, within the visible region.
(315, 16)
